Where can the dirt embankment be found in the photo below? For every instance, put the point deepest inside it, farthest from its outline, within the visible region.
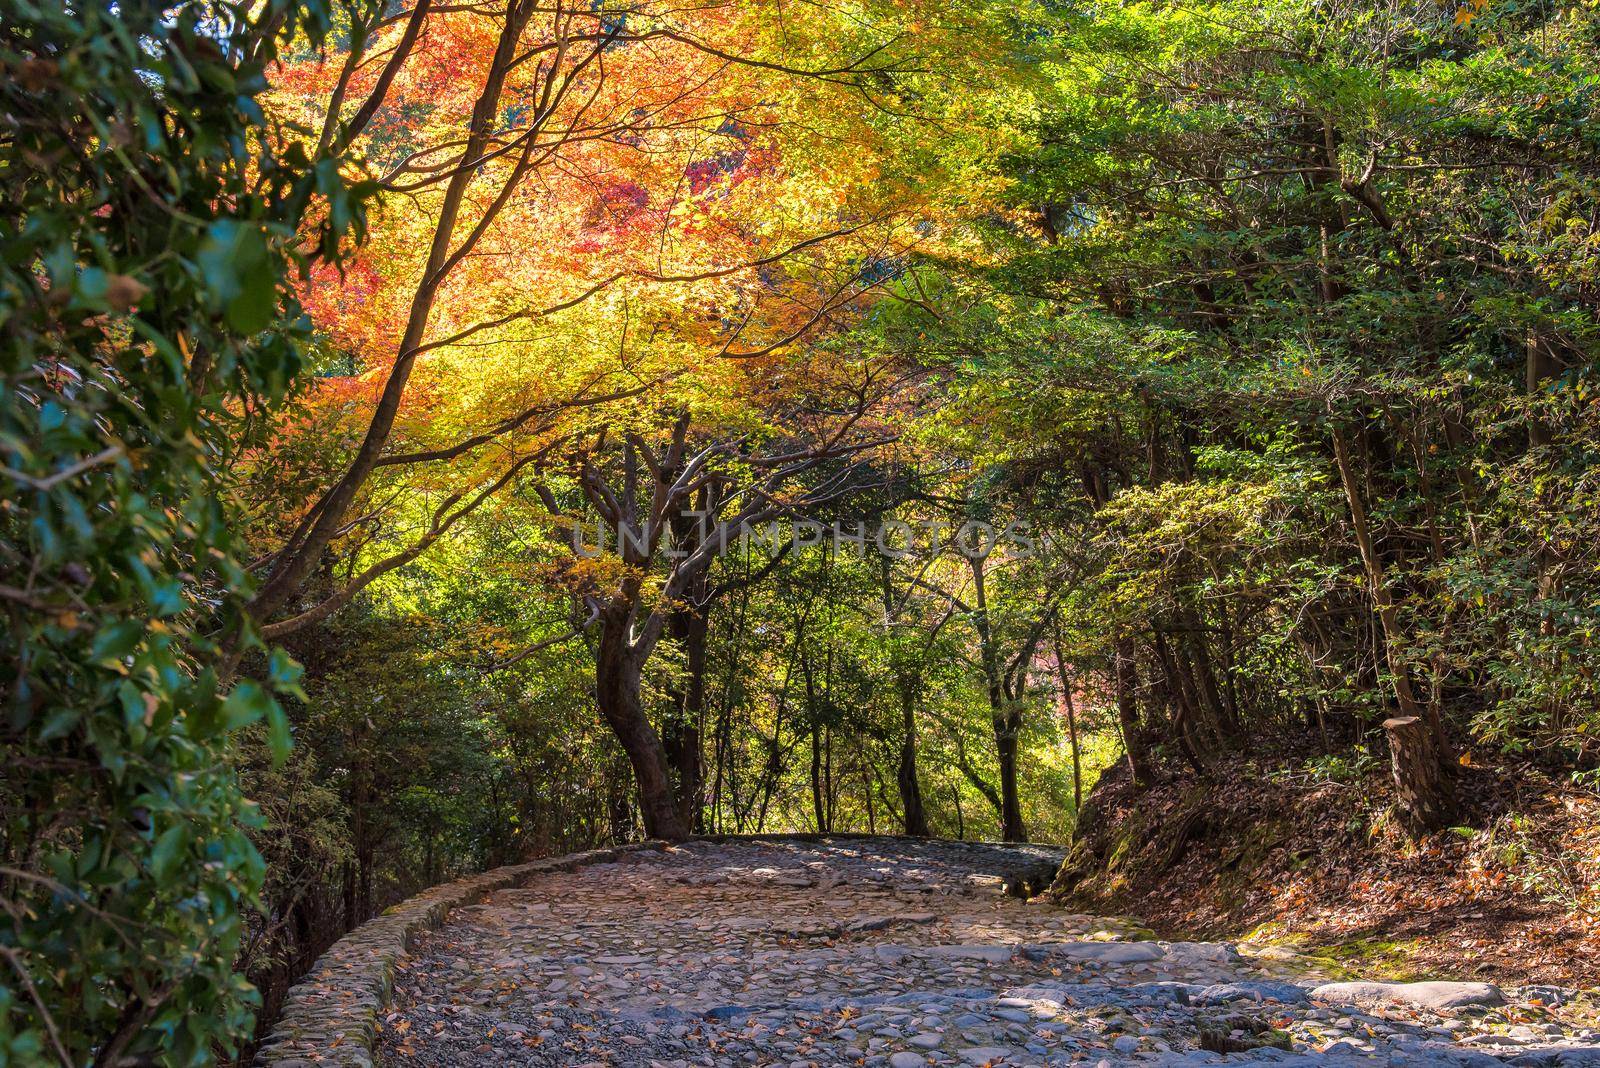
(1304, 852)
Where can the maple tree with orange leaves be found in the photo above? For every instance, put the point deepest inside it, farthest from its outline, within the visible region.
(585, 217)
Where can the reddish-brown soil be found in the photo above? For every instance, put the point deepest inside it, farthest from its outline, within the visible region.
(1287, 852)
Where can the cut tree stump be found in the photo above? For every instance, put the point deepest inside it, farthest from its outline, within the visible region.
(1241, 1034)
(1424, 789)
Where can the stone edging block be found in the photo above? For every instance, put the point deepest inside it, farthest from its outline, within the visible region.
(330, 1017)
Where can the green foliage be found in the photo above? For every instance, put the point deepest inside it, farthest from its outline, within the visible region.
(151, 235)
(1216, 255)
(1349, 767)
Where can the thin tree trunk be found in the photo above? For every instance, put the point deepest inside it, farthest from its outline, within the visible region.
(1072, 715)
(1180, 703)
(1125, 673)
(1004, 715)
(829, 793)
(819, 809)
(1187, 717)
(866, 788)
(619, 799)
(916, 815)
(1383, 599)
(1206, 676)
(683, 732)
(724, 729)
(909, 684)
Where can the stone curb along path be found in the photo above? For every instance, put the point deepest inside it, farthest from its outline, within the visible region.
(806, 952)
(330, 1018)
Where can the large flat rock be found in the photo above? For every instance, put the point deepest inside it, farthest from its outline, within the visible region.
(1435, 997)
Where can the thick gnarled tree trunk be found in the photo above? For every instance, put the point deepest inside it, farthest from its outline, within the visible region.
(618, 671)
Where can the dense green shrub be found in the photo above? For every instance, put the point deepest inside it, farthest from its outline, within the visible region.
(150, 231)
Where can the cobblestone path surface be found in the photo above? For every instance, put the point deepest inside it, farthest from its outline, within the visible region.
(896, 953)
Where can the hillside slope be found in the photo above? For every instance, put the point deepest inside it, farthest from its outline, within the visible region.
(1303, 853)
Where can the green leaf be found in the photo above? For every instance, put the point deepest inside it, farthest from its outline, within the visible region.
(238, 270)
(245, 705)
(166, 597)
(168, 852)
(279, 738)
(59, 723)
(116, 642)
(284, 673)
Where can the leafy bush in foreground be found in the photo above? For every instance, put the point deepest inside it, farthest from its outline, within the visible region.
(151, 229)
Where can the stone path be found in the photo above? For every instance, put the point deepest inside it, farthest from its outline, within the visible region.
(901, 954)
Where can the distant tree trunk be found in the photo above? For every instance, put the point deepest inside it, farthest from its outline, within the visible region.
(1218, 699)
(1006, 715)
(1383, 600)
(1125, 673)
(1007, 730)
(830, 792)
(909, 684)
(722, 740)
(1124, 668)
(819, 807)
(618, 670)
(1540, 366)
(362, 795)
(1072, 715)
(348, 886)
(1183, 713)
(1424, 790)
(866, 788)
(916, 814)
(1543, 365)
(682, 735)
(1230, 689)
(619, 799)
(819, 804)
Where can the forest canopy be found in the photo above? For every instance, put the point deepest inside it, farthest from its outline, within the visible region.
(442, 434)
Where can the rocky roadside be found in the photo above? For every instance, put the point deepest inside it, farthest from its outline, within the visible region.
(901, 953)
